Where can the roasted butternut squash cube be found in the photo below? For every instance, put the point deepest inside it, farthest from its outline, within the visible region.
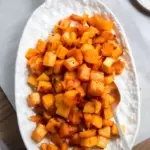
(107, 123)
(96, 87)
(75, 140)
(32, 80)
(48, 101)
(96, 121)
(102, 142)
(49, 71)
(64, 146)
(89, 142)
(52, 147)
(114, 130)
(54, 37)
(61, 52)
(58, 67)
(99, 40)
(83, 72)
(118, 67)
(49, 59)
(105, 100)
(46, 115)
(58, 99)
(70, 98)
(67, 130)
(30, 53)
(102, 24)
(71, 84)
(34, 99)
(105, 132)
(80, 90)
(44, 86)
(76, 53)
(108, 79)
(108, 35)
(36, 119)
(39, 133)
(52, 125)
(87, 133)
(91, 56)
(107, 65)
(44, 146)
(41, 46)
(43, 77)
(107, 49)
(71, 63)
(110, 98)
(89, 108)
(108, 113)
(87, 47)
(97, 105)
(96, 75)
(117, 52)
(70, 75)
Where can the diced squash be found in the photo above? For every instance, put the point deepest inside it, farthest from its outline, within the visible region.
(85, 86)
(114, 130)
(96, 87)
(32, 80)
(101, 23)
(49, 71)
(97, 105)
(105, 100)
(44, 146)
(71, 84)
(89, 107)
(89, 142)
(116, 53)
(75, 116)
(118, 67)
(80, 90)
(43, 77)
(97, 75)
(53, 46)
(108, 113)
(52, 125)
(102, 142)
(71, 63)
(107, 65)
(70, 75)
(64, 146)
(107, 49)
(61, 52)
(41, 46)
(58, 67)
(39, 133)
(59, 99)
(54, 37)
(107, 123)
(52, 147)
(36, 119)
(44, 86)
(91, 56)
(108, 79)
(87, 47)
(57, 140)
(34, 99)
(99, 40)
(76, 53)
(108, 35)
(49, 59)
(30, 53)
(105, 132)
(67, 130)
(70, 98)
(110, 98)
(107, 90)
(97, 66)
(48, 101)
(96, 121)
(87, 133)
(84, 72)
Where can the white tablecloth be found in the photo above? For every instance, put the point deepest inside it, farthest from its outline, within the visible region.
(14, 15)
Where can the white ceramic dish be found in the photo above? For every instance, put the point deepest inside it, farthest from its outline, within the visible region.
(39, 26)
(145, 4)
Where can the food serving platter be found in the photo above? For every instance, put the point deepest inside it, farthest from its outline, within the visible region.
(38, 27)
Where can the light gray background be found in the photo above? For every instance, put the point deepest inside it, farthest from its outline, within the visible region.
(15, 13)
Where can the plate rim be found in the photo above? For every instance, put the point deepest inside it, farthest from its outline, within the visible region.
(129, 51)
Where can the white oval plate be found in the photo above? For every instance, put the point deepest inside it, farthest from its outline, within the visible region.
(145, 4)
(39, 26)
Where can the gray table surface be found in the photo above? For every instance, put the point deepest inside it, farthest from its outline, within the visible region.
(15, 13)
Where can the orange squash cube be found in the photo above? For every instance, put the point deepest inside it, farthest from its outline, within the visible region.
(41, 46)
(52, 147)
(96, 121)
(87, 133)
(114, 130)
(96, 75)
(48, 101)
(34, 99)
(61, 52)
(108, 113)
(105, 132)
(44, 146)
(43, 77)
(83, 72)
(108, 79)
(71, 63)
(32, 80)
(58, 67)
(64, 146)
(49, 59)
(44, 86)
(89, 142)
(39, 133)
(102, 142)
(30, 53)
(107, 123)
